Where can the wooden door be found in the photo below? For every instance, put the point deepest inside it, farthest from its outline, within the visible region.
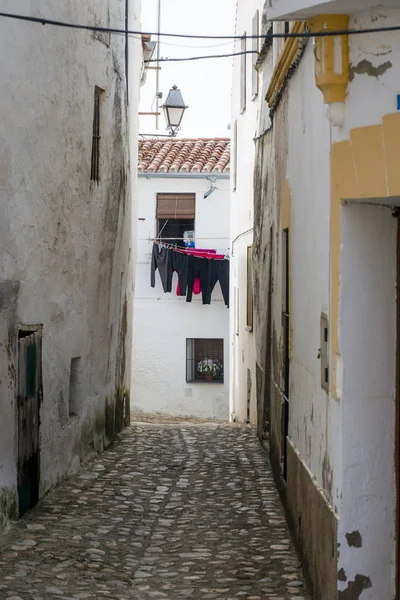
(29, 399)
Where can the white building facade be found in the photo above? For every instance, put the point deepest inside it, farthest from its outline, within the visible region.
(65, 240)
(326, 259)
(169, 331)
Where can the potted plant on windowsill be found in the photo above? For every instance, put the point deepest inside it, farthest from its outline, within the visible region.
(210, 368)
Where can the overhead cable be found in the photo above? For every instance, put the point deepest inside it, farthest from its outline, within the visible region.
(188, 58)
(325, 33)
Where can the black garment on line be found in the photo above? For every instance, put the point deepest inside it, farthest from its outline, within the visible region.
(180, 264)
(161, 260)
(219, 271)
(199, 267)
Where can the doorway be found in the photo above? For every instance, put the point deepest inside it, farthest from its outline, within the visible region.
(366, 382)
(28, 405)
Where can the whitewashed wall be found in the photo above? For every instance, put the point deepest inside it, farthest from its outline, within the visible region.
(368, 346)
(64, 240)
(163, 322)
(314, 417)
(242, 345)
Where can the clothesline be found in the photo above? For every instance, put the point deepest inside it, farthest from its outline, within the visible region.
(192, 272)
(182, 239)
(208, 254)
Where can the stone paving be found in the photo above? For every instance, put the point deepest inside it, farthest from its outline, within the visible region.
(169, 512)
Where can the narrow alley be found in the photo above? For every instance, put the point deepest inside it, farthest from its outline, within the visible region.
(171, 511)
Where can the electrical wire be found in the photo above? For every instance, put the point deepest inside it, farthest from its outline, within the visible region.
(306, 34)
(189, 58)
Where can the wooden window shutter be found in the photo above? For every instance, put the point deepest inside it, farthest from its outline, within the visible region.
(176, 206)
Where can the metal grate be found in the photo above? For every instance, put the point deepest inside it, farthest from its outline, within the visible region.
(95, 167)
(205, 360)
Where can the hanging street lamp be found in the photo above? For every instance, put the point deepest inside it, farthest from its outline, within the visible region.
(174, 107)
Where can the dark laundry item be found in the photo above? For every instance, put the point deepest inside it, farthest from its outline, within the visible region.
(199, 267)
(196, 288)
(180, 264)
(161, 259)
(219, 271)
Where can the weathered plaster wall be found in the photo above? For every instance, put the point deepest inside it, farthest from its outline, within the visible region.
(64, 239)
(374, 71)
(290, 194)
(314, 417)
(163, 322)
(242, 346)
(368, 347)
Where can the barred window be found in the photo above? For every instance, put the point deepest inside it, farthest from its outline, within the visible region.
(205, 360)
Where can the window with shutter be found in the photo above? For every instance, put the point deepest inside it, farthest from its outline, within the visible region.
(205, 359)
(175, 216)
(176, 206)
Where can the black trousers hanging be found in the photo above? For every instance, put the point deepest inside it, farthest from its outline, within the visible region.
(199, 267)
(219, 271)
(161, 260)
(180, 264)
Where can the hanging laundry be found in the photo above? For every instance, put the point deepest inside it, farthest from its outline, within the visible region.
(198, 268)
(161, 260)
(180, 264)
(198, 271)
(196, 288)
(219, 271)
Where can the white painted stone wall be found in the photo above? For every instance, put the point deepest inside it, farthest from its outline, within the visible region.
(64, 240)
(163, 322)
(347, 444)
(314, 416)
(242, 345)
(368, 347)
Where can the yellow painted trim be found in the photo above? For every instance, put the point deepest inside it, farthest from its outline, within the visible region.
(333, 84)
(366, 166)
(367, 147)
(284, 63)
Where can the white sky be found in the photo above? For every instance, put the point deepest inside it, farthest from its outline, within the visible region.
(205, 84)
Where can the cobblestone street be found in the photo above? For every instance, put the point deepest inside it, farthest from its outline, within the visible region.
(171, 511)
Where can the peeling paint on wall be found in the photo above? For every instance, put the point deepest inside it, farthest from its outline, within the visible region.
(365, 67)
(354, 539)
(355, 588)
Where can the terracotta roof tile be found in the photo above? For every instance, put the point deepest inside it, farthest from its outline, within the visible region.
(200, 155)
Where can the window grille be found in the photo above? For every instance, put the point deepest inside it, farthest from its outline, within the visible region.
(205, 360)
